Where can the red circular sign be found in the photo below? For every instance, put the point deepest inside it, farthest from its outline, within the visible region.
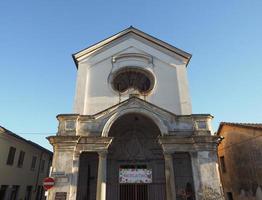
(48, 183)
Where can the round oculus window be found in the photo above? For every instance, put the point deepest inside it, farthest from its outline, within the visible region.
(133, 78)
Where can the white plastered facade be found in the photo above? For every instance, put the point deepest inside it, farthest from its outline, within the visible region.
(94, 92)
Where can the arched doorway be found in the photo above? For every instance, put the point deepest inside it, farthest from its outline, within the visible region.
(135, 147)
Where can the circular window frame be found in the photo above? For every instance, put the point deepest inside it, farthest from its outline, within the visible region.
(149, 75)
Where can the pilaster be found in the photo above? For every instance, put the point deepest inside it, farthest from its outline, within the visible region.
(63, 166)
(170, 177)
(211, 187)
(196, 174)
(74, 175)
(101, 178)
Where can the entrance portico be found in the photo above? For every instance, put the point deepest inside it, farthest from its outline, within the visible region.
(134, 140)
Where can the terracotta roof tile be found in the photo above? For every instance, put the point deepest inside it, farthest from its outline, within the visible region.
(243, 125)
(254, 125)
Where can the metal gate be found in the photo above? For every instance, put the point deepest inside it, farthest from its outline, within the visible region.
(133, 192)
(152, 191)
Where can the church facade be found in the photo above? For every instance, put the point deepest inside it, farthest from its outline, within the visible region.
(132, 135)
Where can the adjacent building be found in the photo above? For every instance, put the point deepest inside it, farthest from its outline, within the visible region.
(132, 134)
(23, 166)
(240, 155)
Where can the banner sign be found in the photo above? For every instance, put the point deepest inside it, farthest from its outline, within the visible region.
(135, 175)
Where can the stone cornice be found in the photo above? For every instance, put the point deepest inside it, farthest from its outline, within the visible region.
(171, 144)
(171, 139)
(97, 144)
(62, 139)
(168, 123)
(80, 143)
(131, 31)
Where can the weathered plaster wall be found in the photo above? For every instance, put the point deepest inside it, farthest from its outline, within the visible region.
(211, 187)
(62, 165)
(242, 151)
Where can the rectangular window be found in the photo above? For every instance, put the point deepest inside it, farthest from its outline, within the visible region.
(3, 191)
(21, 159)
(42, 166)
(11, 156)
(39, 192)
(222, 164)
(28, 192)
(33, 163)
(229, 196)
(14, 192)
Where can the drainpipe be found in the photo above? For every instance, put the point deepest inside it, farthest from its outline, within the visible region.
(38, 172)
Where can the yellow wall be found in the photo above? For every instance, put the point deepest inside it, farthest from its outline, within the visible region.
(242, 151)
(24, 176)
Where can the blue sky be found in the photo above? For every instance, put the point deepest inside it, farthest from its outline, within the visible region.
(37, 39)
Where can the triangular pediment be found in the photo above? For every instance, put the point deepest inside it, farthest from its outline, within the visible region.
(135, 103)
(131, 37)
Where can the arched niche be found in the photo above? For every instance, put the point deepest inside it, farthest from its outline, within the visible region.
(135, 146)
(139, 111)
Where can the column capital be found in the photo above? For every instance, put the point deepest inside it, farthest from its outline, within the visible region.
(77, 154)
(103, 153)
(168, 155)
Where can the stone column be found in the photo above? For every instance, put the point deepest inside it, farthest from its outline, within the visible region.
(74, 176)
(170, 177)
(101, 177)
